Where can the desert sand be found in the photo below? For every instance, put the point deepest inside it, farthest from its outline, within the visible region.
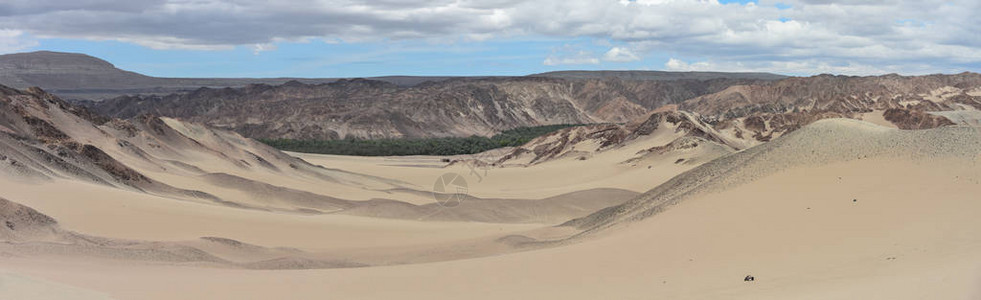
(812, 245)
(840, 209)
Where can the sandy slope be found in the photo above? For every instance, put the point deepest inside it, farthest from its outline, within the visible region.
(897, 223)
(107, 212)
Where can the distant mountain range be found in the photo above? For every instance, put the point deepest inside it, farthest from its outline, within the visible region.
(363, 108)
(78, 76)
(758, 110)
(751, 107)
(82, 77)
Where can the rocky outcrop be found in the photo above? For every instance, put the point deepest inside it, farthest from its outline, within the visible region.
(585, 141)
(374, 109)
(16, 217)
(561, 142)
(798, 101)
(46, 137)
(750, 105)
(915, 119)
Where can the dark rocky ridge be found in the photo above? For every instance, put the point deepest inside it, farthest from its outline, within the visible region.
(462, 107)
(78, 76)
(769, 109)
(759, 105)
(375, 109)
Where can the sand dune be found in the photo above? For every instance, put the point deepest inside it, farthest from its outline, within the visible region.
(665, 207)
(170, 158)
(879, 214)
(552, 210)
(158, 190)
(853, 140)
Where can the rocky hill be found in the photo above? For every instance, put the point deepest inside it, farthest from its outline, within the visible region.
(742, 116)
(375, 109)
(844, 94)
(655, 134)
(764, 110)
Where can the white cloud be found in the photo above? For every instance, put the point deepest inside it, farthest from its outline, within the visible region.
(579, 58)
(901, 34)
(570, 54)
(14, 40)
(259, 48)
(617, 54)
(679, 65)
(801, 67)
(169, 43)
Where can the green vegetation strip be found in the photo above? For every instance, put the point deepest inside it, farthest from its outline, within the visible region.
(426, 146)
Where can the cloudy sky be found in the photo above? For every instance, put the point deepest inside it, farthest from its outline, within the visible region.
(350, 38)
